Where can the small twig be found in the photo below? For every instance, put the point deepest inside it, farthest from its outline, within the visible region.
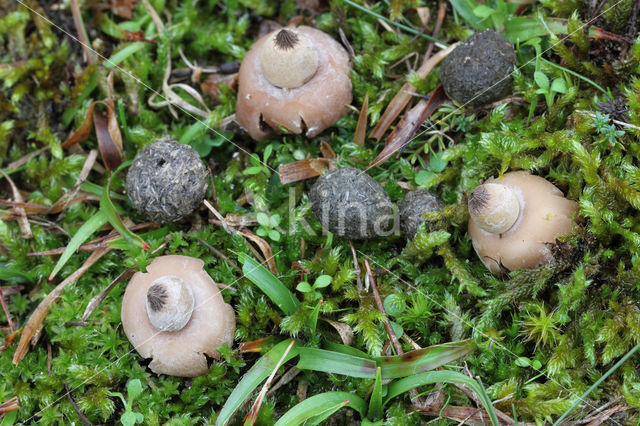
(49, 358)
(5, 308)
(87, 54)
(229, 230)
(85, 421)
(284, 379)
(218, 253)
(387, 324)
(356, 266)
(442, 11)
(618, 122)
(97, 299)
(23, 222)
(19, 162)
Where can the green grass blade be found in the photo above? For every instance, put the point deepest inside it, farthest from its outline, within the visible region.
(252, 379)
(319, 407)
(12, 275)
(422, 360)
(597, 383)
(349, 350)
(465, 8)
(376, 410)
(523, 28)
(109, 210)
(269, 284)
(403, 385)
(336, 362)
(96, 222)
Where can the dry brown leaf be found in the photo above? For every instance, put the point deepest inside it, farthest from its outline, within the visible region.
(424, 13)
(254, 345)
(404, 95)
(37, 317)
(109, 138)
(409, 125)
(361, 127)
(107, 132)
(25, 228)
(344, 330)
(211, 86)
(303, 169)
(264, 247)
(123, 8)
(326, 150)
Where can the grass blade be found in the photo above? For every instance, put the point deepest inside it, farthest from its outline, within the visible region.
(252, 379)
(349, 350)
(403, 385)
(269, 284)
(376, 410)
(597, 383)
(336, 362)
(319, 407)
(109, 210)
(96, 222)
(422, 360)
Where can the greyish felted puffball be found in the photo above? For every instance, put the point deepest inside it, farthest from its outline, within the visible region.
(167, 181)
(479, 69)
(350, 204)
(412, 209)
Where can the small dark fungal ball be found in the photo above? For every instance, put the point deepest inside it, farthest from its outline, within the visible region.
(352, 205)
(167, 181)
(412, 208)
(478, 71)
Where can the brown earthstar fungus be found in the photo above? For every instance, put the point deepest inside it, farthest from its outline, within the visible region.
(478, 71)
(412, 209)
(516, 219)
(175, 314)
(349, 203)
(295, 78)
(167, 181)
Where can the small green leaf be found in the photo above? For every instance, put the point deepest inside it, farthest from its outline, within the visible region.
(422, 177)
(129, 418)
(262, 232)
(394, 305)
(559, 86)
(541, 80)
(275, 220)
(483, 11)
(263, 219)
(134, 389)
(322, 281)
(523, 361)
(274, 235)
(536, 364)
(436, 164)
(303, 287)
(253, 170)
(397, 328)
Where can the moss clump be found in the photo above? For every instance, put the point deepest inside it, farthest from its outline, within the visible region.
(167, 181)
(479, 69)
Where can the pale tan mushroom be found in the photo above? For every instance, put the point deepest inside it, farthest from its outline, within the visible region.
(175, 313)
(515, 219)
(297, 78)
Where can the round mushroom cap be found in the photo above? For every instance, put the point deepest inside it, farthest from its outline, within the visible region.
(167, 181)
(544, 215)
(181, 352)
(349, 203)
(412, 209)
(318, 103)
(478, 71)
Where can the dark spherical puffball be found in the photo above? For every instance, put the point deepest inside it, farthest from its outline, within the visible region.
(412, 208)
(167, 181)
(350, 204)
(478, 71)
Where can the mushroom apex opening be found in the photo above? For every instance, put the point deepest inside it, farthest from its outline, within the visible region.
(286, 39)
